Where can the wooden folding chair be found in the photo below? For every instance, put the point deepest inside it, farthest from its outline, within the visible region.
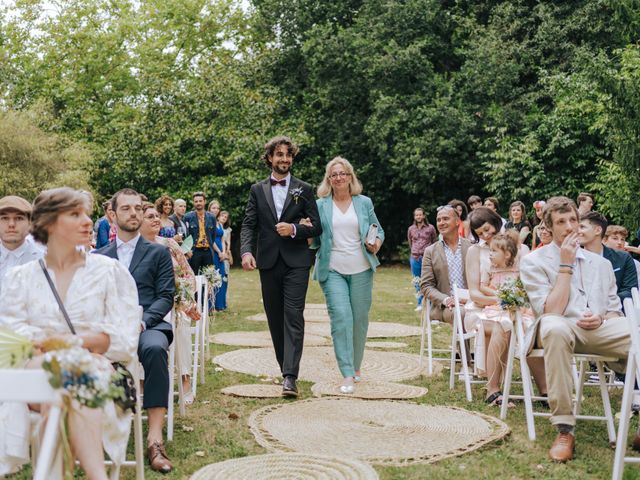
(425, 326)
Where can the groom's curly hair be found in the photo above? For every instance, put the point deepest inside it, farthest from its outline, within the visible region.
(274, 143)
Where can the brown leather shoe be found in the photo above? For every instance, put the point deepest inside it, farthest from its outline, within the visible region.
(562, 448)
(635, 445)
(158, 459)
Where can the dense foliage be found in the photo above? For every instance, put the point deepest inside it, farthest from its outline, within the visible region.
(429, 99)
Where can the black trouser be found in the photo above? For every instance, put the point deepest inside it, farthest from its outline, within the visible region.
(283, 294)
(201, 258)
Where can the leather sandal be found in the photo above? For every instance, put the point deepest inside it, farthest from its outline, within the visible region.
(158, 459)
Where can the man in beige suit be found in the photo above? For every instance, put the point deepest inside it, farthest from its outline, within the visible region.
(443, 265)
(573, 295)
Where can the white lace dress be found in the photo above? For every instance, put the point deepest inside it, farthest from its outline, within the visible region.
(102, 298)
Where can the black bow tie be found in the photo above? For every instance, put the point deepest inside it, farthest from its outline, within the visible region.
(282, 182)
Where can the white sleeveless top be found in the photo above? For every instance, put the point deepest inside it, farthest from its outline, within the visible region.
(347, 256)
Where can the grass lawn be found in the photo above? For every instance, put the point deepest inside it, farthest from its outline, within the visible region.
(219, 423)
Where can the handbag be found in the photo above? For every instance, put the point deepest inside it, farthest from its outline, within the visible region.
(125, 380)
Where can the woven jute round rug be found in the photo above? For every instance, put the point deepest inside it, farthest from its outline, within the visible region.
(381, 432)
(261, 339)
(370, 390)
(376, 330)
(254, 390)
(316, 316)
(385, 345)
(278, 466)
(318, 364)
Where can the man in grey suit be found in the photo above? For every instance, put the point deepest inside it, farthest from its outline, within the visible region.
(15, 221)
(443, 265)
(151, 267)
(573, 295)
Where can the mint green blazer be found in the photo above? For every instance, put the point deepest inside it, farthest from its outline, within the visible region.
(366, 217)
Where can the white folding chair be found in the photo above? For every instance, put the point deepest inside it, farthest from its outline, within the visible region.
(204, 335)
(460, 337)
(632, 312)
(425, 326)
(172, 372)
(579, 381)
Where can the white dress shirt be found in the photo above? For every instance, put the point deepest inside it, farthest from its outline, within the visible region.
(279, 193)
(25, 253)
(126, 249)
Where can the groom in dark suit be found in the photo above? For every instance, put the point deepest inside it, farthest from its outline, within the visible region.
(151, 267)
(276, 206)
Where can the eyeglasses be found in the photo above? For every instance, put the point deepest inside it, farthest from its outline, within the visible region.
(334, 176)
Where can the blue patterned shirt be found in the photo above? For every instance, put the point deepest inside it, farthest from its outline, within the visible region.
(454, 262)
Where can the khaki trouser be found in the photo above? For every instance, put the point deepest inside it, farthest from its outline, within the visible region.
(561, 337)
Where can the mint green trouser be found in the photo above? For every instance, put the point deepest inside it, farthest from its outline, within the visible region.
(348, 302)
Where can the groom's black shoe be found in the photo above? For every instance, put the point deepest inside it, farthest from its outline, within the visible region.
(289, 388)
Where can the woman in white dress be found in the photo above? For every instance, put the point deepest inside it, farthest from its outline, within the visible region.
(102, 302)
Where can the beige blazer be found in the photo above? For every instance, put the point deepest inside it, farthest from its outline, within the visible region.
(434, 282)
(593, 284)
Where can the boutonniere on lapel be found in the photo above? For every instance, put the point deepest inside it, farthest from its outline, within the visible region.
(295, 193)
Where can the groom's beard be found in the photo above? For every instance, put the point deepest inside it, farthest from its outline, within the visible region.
(281, 169)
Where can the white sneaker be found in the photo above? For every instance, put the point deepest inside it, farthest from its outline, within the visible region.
(418, 308)
(347, 389)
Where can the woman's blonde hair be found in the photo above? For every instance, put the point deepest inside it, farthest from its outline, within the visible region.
(49, 204)
(325, 189)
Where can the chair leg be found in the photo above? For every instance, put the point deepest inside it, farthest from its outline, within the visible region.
(138, 441)
(49, 446)
(172, 371)
(508, 374)
(422, 333)
(465, 367)
(625, 418)
(579, 389)
(606, 403)
(452, 369)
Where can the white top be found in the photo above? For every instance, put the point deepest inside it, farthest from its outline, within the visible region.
(21, 255)
(279, 193)
(126, 250)
(102, 298)
(347, 256)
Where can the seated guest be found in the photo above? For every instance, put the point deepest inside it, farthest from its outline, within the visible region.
(573, 295)
(101, 300)
(443, 265)
(164, 206)
(590, 234)
(585, 203)
(186, 311)
(492, 204)
(463, 223)
(104, 226)
(538, 205)
(616, 237)
(15, 221)
(544, 235)
(151, 267)
(474, 201)
(518, 221)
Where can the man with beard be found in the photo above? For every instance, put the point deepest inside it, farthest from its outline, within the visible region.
(151, 267)
(275, 208)
(201, 226)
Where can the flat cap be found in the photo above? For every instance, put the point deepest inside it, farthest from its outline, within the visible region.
(12, 202)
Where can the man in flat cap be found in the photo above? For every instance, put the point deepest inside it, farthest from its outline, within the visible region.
(15, 221)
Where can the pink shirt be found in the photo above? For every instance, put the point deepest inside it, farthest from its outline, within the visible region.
(420, 238)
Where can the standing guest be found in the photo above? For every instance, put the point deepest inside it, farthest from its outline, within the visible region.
(220, 293)
(573, 295)
(187, 310)
(443, 265)
(202, 228)
(164, 206)
(463, 223)
(474, 201)
(591, 232)
(15, 221)
(103, 232)
(179, 209)
(345, 263)
(151, 268)
(274, 210)
(538, 206)
(214, 207)
(518, 221)
(492, 203)
(420, 234)
(223, 219)
(100, 298)
(544, 235)
(585, 203)
(616, 237)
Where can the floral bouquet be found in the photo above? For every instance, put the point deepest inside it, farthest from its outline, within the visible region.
(214, 280)
(85, 377)
(185, 296)
(14, 349)
(512, 295)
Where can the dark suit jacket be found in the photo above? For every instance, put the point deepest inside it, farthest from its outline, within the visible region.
(624, 269)
(193, 228)
(260, 216)
(152, 269)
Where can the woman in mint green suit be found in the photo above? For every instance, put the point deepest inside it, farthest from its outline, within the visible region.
(345, 263)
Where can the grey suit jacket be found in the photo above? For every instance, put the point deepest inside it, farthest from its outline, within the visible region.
(593, 284)
(434, 282)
